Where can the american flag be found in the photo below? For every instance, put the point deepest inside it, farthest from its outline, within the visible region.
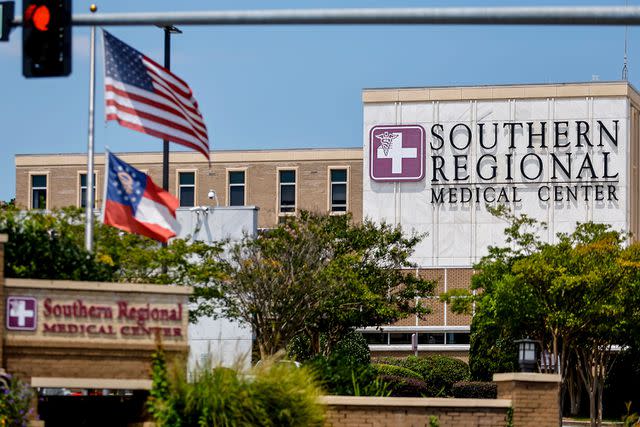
(144, 96)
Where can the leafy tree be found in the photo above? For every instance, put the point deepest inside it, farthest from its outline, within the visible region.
(324, 275)
(50, 245)
(577, 297)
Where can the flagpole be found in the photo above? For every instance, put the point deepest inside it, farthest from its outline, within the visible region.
(88, 236)
(167, 64)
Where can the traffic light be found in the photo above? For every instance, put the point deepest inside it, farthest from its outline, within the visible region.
(46, 38)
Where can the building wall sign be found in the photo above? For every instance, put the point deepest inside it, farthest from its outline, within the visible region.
(560, 161)
(569, 166)
(397, 153)
(120, 319)
(61, 313)
(22, 313)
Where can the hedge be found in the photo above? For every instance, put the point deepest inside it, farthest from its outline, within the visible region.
(475, 390)
(405, 387)
(395, 371)
(439, 372)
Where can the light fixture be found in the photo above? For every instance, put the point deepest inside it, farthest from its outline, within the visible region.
(527, 354)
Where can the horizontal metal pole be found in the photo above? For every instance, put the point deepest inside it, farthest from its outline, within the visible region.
(624, 15)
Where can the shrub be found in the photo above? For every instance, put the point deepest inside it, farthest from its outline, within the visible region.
(405, 387)
(271, 395)
(343, 379)
(475, 390)
(396, 371)
(15, 402)
(439, 372)
(352, 349)
(347, 370)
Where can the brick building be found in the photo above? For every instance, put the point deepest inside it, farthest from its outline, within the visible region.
(279, 182)
(432, 159)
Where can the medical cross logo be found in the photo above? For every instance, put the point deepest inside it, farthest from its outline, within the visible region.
(396, 153)
(22, 313)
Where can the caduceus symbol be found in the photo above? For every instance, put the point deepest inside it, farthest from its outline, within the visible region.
(386, 139)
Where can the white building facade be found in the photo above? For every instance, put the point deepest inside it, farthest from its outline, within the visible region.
(436, 158)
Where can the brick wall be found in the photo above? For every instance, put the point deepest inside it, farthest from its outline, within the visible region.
(400, 412)
(261, 178)
(534, 397)
(532, 400)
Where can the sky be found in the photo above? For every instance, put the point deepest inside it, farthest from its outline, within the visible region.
(265, 87)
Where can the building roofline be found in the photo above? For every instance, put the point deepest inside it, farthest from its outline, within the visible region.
(502, 91)
(192, 157)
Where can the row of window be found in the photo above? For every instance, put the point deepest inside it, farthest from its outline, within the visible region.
(433, 338)
(287, 182)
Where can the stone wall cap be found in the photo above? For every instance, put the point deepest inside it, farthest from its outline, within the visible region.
(98, 383)
(4, 238)
(97, 286)
(433, 402)
(527, 377)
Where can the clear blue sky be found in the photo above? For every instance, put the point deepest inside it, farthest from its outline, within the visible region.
(294, 86)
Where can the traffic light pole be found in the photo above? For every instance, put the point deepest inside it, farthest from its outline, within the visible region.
(553, 15)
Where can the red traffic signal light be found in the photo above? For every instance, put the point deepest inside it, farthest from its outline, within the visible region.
(39, 16)
(46, 38)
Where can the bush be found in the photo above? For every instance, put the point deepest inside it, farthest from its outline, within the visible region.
(475, 390)
(395, 371)
(352, 349)
(343, 379)
(347, 370)
(405, 387)
(439, 372)
(15, 403)
(271, 395)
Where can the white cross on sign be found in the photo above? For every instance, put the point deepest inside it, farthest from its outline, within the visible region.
(397, 153)
(19, 309)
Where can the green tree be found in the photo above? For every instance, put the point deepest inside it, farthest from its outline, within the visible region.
(576, 297)
(321, 274)
(50, 245)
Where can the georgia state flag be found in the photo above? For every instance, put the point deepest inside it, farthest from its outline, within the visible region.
(133, 203)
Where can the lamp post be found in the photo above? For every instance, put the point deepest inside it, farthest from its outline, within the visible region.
(527, 354)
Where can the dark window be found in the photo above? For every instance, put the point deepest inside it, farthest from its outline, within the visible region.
(187, 188)
(430, 338)
(400, 338)
(287, 191)
(83, 190)
(236, 188)
(338, 190)
(38, 191)
(458, 338)
(375, 337)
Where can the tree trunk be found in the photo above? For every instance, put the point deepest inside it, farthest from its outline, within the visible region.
(592, 405)
(575, 393)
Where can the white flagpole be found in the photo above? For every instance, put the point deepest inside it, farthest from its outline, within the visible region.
(88, 235)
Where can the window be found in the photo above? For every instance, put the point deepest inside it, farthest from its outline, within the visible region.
(338, 190)
(83, 190)
(376, 338)
(430, 338)
(187, 188)
(458, 338)
(287, 191)
(400, 338)
(38, 191)
(236, 188)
